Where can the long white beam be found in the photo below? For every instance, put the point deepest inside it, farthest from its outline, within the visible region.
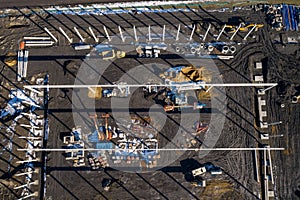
(106, 32)
(51, 35)
(182, 149)
(221, 32)
(121, 34)
(79, 35)
(163, 33)
(236, 32)
(245, 38)
(65, 34)
(157, 85)
(178, 31)
(206, 33)
(149, 33)
(271, 167)
(93, 34)
(135, 34)
(192, 33)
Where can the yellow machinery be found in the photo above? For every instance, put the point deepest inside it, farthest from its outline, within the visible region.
(100, 135)
(230, 29)
(111, 54)
(10, 59)
(95, 92)
(246, 28)
(107, 132)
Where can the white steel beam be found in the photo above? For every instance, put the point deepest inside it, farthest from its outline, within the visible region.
(32, 160)
(65, 34)
(191, 37)
(93, 34)
(20, 65)
(231, 38)
(163, 33)
(149, 33)
(51, 35)
(135, 35)
(206, 33)
(271, 170)
(178, 31)
(79, 35)
(221, 32)
(121, 34)
(24, 173)
(36, 38)
(25, 64)
(107, 35)
(245, 38)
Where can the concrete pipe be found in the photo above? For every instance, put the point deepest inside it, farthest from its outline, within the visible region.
(210, 48)
(232, 49)
(193, 50)
(225, 49)
(177, 49)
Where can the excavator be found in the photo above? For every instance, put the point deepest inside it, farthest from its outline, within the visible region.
(244, 27)
(100, 134)
(107, 131)
(247, 27)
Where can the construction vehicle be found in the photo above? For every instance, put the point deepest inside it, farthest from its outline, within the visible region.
(10, 59)
(199, 127)
(95, 92)
(247, 27)
(199, 171)
(108, 132)
(199, 183)
(100, 134)
(230, 28)
(171, 107)
(108, 53)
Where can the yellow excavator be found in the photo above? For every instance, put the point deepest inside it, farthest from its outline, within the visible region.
(248, 27)
(244, 27)
(230, 28)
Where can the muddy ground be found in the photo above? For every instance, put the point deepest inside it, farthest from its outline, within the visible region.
(240, 130)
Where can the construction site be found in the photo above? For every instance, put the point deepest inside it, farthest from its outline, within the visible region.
(150, 100)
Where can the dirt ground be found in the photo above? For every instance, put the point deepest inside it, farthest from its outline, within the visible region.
(240, 130)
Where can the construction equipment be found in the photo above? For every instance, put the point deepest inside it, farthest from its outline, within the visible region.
(10, 59)
(199, 127)
(171, 107)
(108, 132)
(95, 92)
(230, 28)
(100, 135)
(199, 171)
(111, 54)
(246, 27)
